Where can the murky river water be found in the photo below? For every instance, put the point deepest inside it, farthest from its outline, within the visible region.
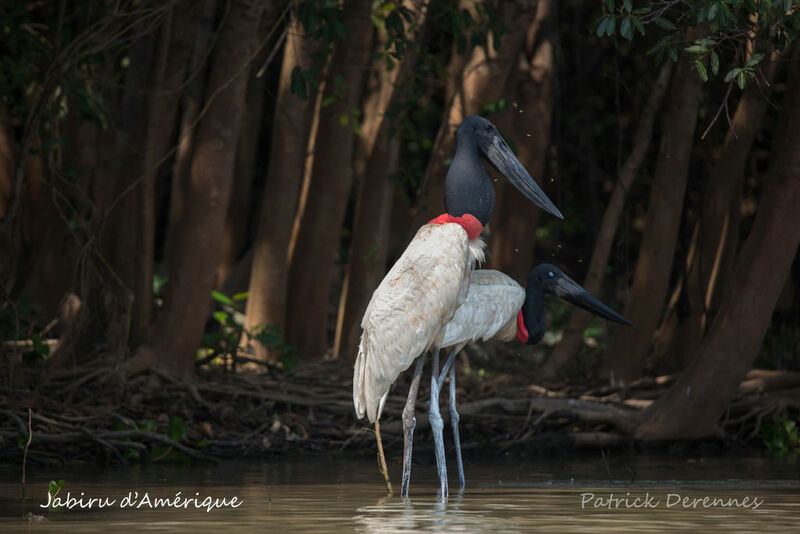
(331, 494)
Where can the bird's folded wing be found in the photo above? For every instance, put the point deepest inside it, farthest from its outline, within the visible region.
(408, 311)
(492, 304)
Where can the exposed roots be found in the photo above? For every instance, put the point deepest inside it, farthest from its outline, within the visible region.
(92, 413)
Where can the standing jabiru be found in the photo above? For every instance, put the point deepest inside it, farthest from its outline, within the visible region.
(496, 307)
(419, 295)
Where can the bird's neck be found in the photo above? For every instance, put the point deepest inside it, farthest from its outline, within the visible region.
(531, 319)
(468, 222)
(468, 188)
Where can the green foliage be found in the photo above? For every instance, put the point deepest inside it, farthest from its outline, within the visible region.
(493, 108)
(54, 487)
(781, 436)
(38, 351)
(727, 24)
(175, 428)
(323, 22)
(226, 339)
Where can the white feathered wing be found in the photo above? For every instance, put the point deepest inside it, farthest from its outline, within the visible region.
(489, 311)
(410, 308)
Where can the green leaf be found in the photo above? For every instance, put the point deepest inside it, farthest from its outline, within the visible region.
(221, 317)
(176, 430)
(701, 70)
(714, 62)
(696, 49)
(601, 28)
(610, 5)
(712, 11)
(593, 331)
(741, 79)
(241, 296)
(665, 23)
(628, 5)
(625, 28)
(54, 487)
(221, 298)
(755, 59)
(732, 74)
(638, 24)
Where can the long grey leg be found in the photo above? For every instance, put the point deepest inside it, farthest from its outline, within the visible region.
(409, 422)
(437, 425)
(451, 358)
(454, 423)
(450, 368)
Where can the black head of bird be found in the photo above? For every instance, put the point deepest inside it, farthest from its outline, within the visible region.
(468, 188)
(549, 279)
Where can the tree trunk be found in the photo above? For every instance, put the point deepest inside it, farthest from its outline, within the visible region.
(266, 303)
(120, 238)
(692, 406)
(6, 166)
(192, 102)
(482, 81)
(236, 221)
(176, 41)
(179, 327)
(531, 85)
(721, 197)
(564, 353)
(321, 216)
(629, 346)
(379, 157)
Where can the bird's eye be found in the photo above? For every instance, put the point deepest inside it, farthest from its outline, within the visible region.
(550, 274)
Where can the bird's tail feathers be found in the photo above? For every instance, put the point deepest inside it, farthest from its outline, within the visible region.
(359, 400)
(477, 252)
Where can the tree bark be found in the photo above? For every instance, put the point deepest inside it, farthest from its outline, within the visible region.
(565, 351)
(179, 327)
(379, 158)
(120, 238)
(531, 85)
(192, 102)
(712, 241)
(176, 40)
(629, 346)
(321, 215)
(236, 221)
(266, 303)
(692, 406)
(6, 166)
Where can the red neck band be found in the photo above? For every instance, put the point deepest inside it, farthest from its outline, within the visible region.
(468, 222)
(522, 332)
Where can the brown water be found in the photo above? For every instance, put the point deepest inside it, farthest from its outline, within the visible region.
(505, 495)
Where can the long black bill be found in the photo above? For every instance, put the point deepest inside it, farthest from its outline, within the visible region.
(572, 292)
(504, 160)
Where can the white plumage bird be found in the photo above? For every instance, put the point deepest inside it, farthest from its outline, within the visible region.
(409, 310)
(418, 297)
(496, 307)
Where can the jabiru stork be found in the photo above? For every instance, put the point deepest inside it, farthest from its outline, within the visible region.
(409, 310)
(496, 307)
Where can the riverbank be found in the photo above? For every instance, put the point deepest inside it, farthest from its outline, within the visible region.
(91, 415)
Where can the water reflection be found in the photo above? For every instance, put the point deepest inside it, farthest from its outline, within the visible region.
(407, 515)
(341, 495)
